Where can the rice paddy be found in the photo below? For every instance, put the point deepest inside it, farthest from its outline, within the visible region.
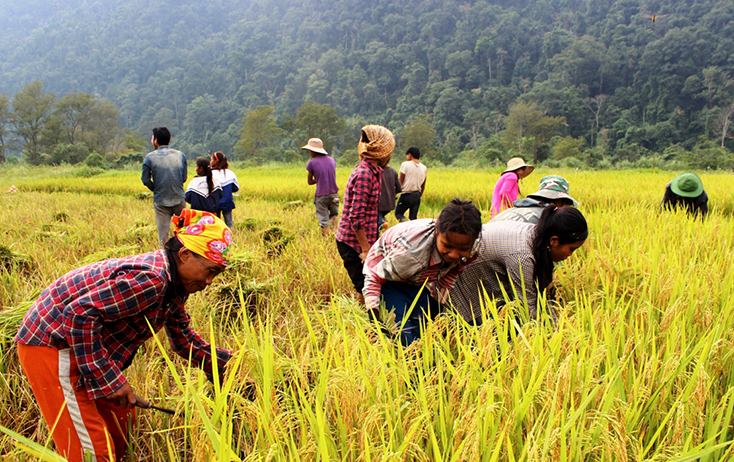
(640, 366)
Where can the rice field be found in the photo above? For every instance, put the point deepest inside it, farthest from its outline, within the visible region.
(639, 368)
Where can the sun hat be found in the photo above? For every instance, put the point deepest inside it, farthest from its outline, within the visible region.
(687, 185)
(376, 142)
(315, 145)
(517, 163)
(553, 187)
(204, 234)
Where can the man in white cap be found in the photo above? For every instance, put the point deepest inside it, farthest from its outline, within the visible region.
(322, 172)
(553, 191)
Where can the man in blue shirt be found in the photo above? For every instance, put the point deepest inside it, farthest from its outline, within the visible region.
(164, 173)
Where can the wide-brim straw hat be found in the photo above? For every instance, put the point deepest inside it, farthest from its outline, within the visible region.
(517, 163)
(687, 185)
(315, 145)
(553, 187)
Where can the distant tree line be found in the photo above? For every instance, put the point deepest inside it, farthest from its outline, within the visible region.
(74, 128)
(577, 82)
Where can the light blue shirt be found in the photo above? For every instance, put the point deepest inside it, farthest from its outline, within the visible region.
(164, 173)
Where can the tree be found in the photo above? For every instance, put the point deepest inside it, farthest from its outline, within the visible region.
(31, 108)
(259, 130)
(5, 119)
(320, 121)
(530, 129)
(419, 133)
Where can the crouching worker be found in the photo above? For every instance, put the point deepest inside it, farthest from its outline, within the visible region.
(419, 261)
(85, 328)
(518, 258)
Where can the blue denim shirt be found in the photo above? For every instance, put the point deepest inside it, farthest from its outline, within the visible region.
(164, 173)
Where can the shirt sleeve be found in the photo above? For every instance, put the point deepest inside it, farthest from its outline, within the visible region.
(235, 184)
(84, 318)
(361, 194)
(185, 168)
(507, 188)
(147, 176)
(398, 186)
(186, 341)
(667, 198)
(386, 261)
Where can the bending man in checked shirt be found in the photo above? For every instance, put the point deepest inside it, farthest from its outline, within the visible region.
(518, 258)
(86, 327)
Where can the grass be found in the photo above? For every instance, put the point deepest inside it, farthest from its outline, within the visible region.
(639, 367)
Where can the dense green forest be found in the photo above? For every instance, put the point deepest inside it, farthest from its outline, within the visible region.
(580, 82)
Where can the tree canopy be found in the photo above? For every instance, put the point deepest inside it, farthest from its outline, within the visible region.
(621, 83)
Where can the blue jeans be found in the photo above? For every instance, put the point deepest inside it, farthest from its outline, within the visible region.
(398, 297)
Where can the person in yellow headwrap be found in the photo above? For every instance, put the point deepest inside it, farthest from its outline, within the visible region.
(358, 225)
(85, 328)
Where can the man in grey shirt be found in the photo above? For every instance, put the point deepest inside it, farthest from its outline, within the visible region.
(164, 173)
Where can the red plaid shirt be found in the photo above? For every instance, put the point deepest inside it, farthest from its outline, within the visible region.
(361, 201)
(101, 312)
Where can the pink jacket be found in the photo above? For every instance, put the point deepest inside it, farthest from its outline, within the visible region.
(506, 190)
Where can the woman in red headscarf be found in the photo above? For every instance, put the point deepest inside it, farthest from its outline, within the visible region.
(85, 328)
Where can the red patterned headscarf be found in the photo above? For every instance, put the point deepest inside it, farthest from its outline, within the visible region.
(204, 234)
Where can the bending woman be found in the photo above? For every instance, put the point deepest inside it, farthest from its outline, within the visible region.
(507, 188)
(84, 330)
(518, 258)
(417, 253)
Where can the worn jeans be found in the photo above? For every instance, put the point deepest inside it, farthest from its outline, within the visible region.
(226, 215)
(163, 217)
(398, 297)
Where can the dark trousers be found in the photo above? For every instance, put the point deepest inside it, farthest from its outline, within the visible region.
(408, 201)
(353, 264)
(399, 297)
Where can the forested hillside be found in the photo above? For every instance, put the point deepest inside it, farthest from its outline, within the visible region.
(599, 81)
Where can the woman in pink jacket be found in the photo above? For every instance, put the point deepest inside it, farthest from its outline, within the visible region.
(507, 188)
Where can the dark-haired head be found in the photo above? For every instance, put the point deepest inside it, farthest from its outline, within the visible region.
(219, 161)
(457, 228)
(414, 151)
(162, 136)
(204, 169)
(559, 232)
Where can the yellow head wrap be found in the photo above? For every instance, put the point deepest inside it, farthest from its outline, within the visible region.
(204, 234)
(376, 142)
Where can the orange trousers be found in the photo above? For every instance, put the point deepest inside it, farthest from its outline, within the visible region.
(79, 424)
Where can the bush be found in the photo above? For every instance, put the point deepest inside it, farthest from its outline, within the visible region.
(95, 160)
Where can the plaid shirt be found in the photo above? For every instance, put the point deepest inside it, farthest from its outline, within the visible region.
(101, 312)
(361, 201)
(505, 262)
(407, 252)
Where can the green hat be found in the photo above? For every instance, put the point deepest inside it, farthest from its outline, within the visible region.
(553, 187)
(687, 185)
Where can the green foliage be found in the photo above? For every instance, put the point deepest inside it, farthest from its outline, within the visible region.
(567, 147)
(597, 66)
(320, 121)
(95, 160)
(31, 107)
(259, 131)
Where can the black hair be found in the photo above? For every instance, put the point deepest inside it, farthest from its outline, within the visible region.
(220, 161)
(415, 152)
(566, 223)
(162, 136)
(203, 163)
(460, 217)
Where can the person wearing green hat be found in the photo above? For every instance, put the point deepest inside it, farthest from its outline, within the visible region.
(553, 191)
(686, 191)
